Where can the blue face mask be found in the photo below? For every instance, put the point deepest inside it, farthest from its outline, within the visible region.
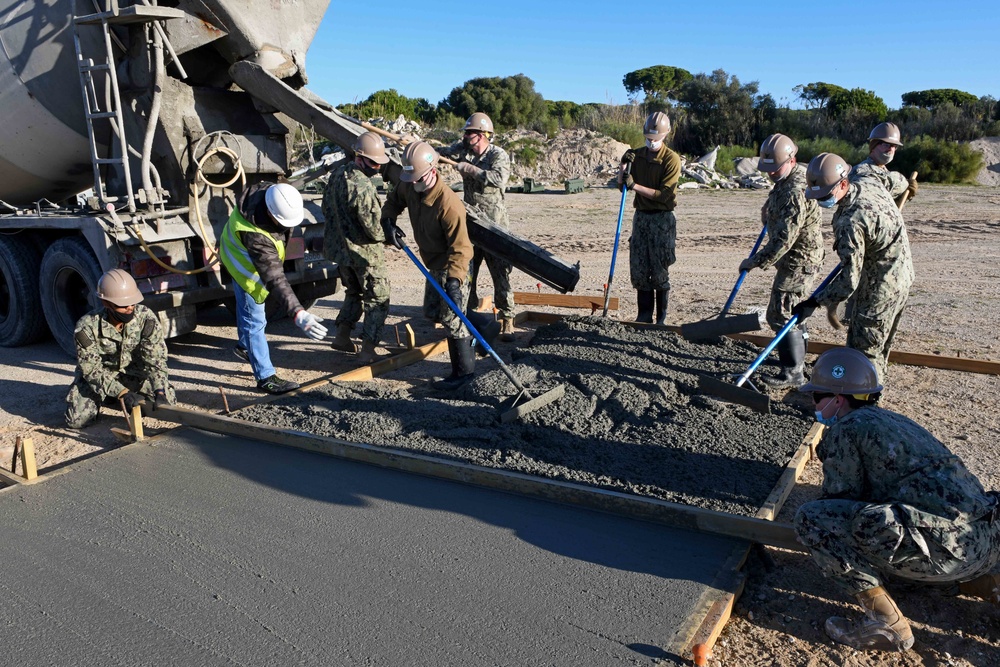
(825, 421)
(829, 202)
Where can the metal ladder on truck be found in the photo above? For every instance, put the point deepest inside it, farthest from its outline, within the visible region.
(112, 14)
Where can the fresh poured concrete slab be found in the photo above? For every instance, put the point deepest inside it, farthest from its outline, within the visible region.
(201, 549)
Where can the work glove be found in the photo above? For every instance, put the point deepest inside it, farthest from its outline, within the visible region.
(130, 399)
(912, 187)
(468, 169)
(628, 183)
(395, 237)
(804, 309)
(160, 400)
(747, 265)
(310, 325)
(453, 288)
(629, 156)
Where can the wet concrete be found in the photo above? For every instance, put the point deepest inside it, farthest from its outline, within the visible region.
(200, 549)
(632, 418)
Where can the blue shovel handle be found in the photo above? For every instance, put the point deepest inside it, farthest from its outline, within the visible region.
(465, 320)
(614, 252)
(743, 274)
(792, 321)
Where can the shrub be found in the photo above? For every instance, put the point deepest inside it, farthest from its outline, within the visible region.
(390, 104)
(620, 122)
(810, 148)
(938, 161)
(724, 160)
(525, 151)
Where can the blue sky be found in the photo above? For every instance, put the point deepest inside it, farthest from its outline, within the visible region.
(580, 51)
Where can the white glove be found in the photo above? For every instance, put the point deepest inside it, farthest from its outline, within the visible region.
(310, 325)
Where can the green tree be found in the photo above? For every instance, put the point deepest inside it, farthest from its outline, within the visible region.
(390, 104)
(859, 101)
(510, 101)
(660, 82)
(719, 110)
(935, 97)
(816, 95)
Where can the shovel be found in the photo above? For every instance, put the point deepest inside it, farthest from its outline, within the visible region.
(394, 137)
(754, 399)
(516, 410)
(721, 325)
(614, 253)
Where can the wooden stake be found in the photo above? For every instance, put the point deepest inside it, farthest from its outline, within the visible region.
(225, 401)
(28, 458)
(137, 423)
(13, 457)
(411, 338)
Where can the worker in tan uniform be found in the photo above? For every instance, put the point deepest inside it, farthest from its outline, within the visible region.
(485, 169)
(652, 173)
(437, 216)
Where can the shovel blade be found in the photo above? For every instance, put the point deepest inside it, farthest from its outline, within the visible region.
(539, 401)
(720, 326)
(730, 392)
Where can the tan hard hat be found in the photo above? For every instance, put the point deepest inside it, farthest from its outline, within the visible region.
(371, 146)
(118, 287)
(887, 132)
(843, 370)
(776, 150)
(823, 174)
(657, 126)
(418, 159)
(478, 122)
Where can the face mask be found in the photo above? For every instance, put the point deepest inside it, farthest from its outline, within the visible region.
(121, 318)
(829, 202)
(369, 170)
(653, 145)
(825, 421)
(420, 186)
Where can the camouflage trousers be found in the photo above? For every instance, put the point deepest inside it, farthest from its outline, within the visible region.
(788, 289)
(503, 294)
(83, 405)
(858, 545)
(652, 249)
(366, 291)
(873, 327)
(437, 310)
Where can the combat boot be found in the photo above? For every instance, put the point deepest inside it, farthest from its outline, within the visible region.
(661, 306)
(986, 587)
(882, 628)
(463, 364)
(507, 330)
(791, 356)
(367, 354)
(644, 301)
(342, 341)
(487, 327)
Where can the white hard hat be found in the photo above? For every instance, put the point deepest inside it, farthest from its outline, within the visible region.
(284, 203)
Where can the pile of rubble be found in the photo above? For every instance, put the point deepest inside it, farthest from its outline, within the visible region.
(704, 176)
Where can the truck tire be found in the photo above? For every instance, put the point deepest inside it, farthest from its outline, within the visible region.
(68, 276)
(21, 318)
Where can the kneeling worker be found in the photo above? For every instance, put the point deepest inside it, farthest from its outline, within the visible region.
(120, 353)
(897, 504)
(252, 248)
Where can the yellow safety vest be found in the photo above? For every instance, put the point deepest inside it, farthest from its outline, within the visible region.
(237, 260)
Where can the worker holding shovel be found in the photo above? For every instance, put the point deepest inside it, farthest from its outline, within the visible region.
(794, 248)
(439, 229)
(653, 177)
(874, 250)
(896, 505)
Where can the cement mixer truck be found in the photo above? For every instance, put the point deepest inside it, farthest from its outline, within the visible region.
(128, 129)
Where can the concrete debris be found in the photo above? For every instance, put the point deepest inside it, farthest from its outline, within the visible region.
(708, 160)
(632, 419)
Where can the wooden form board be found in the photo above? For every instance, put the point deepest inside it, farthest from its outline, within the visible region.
(564, 300)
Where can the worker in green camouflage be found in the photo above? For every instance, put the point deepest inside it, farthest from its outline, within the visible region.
(896, 504)
(121, 355)
(652, 172)
(877, 269)
(882, 144)
(485, 170)
(794, 248)
(353, 238)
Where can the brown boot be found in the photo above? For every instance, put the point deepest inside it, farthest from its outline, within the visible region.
(342, 341)
(367, 354)
(507, 330)
(882, 628)
(986, 587)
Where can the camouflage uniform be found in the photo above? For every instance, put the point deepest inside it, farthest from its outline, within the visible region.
(893, 181)
(438, 220)
(874, 250)
(896, 503)
(353, 238)
(652, 246)
(794, 245)
(110, 362)
(486, 192)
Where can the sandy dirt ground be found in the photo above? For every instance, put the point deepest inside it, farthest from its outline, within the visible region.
(955, 236)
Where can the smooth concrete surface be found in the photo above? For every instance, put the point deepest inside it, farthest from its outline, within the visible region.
(201, 549)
